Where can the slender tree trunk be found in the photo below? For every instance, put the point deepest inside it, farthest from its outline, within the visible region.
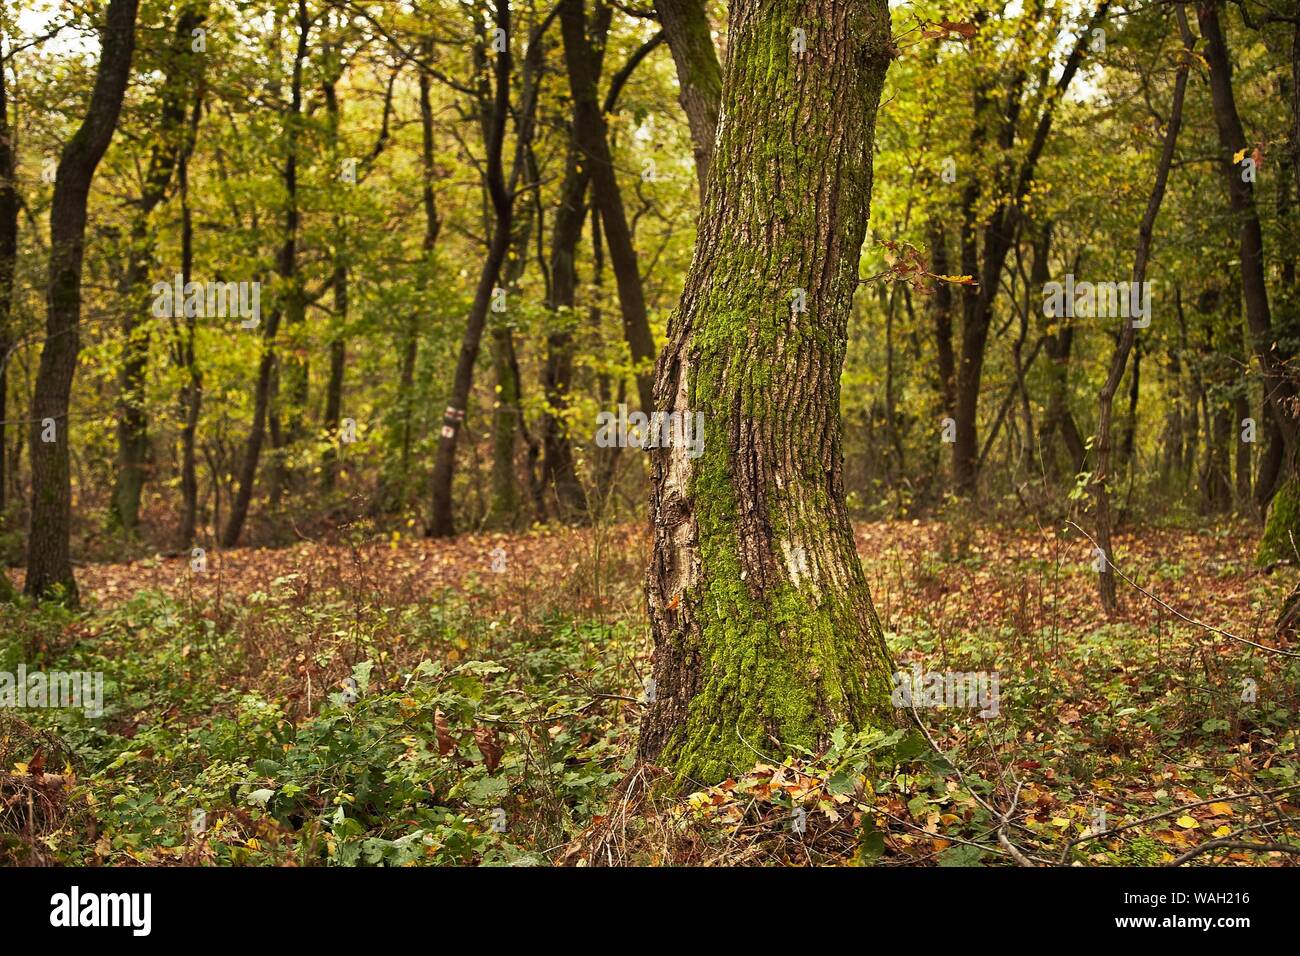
(338, 343)
(504, 508)
(432, 227)
(442, 519)
(1216, 483)
(49, 562)
(505, 505)
(1128, 434)
(1128, 332)
(941, 309)
(494, 113)
(699, 76)
(1283, 519)
(338, 354)
(606, 458)
(998, 235)
(1058, 416)
(8, 264)
(183, 67)
(592, 138)
(191, 397)
(558, 473)
(1241, 410)
(291, 306)
(765, 634)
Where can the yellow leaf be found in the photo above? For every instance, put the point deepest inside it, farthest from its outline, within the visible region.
(1188, 823)
(1237, 156)
(1221, 809)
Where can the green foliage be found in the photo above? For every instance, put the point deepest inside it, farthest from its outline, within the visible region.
(391, 768)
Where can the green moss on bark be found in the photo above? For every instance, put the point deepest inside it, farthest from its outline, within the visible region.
(766, 638)
(1282, 526)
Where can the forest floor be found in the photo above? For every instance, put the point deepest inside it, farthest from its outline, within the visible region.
(397, 700)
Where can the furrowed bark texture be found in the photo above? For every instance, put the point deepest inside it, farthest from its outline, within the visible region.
(765, 634)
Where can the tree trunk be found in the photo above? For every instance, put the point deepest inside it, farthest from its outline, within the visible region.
(987, 266)
(49, 562)
(1241, 406)
(432, 227)
(1058, 416)
(1128, 331)
(941, 309)
(291, 306)
(441, 517)
(699, 76)
(558, 472)
(1272, 357)
(504, 508)
(8, 264)
(181, 74)
(191, 397)
(590, 132)
(765, 634)
(338, 352)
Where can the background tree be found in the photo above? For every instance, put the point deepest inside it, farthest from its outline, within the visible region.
(49, 564)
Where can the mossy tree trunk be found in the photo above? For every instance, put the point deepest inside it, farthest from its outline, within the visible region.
(765, 634)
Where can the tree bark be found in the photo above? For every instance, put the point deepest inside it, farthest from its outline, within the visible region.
(765, 634)
(49, 563)
(699, 76)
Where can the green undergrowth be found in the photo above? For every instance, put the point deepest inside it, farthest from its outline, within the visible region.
(338, 730)
(486, 754)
